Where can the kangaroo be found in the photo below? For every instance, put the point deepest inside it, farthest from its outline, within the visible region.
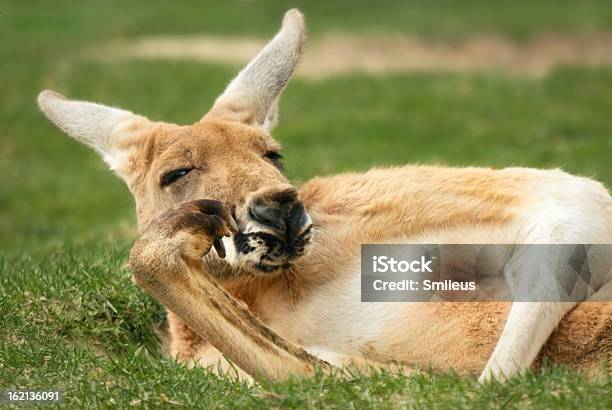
(280, 294)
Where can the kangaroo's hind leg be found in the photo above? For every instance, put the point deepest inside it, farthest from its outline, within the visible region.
(547, 281)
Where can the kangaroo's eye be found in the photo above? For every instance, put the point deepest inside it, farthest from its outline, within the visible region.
(275, 158)
(172, 176)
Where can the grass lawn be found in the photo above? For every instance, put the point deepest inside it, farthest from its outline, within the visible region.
(71, 317)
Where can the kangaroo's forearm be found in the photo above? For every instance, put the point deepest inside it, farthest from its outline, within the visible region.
(192, 294)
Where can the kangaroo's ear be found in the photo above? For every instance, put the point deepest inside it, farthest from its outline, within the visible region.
(251, 98)
(110, 131)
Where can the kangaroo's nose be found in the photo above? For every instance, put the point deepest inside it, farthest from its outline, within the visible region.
(287, 218)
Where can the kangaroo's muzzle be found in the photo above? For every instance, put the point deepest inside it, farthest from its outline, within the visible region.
(275, 229)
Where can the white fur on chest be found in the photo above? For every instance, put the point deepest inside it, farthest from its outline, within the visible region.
(335, 319)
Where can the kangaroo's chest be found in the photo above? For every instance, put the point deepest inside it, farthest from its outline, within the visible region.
(334, 320)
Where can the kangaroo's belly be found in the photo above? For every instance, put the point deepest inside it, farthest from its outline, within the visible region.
(336, 326)
(334, 323)
(440, 335)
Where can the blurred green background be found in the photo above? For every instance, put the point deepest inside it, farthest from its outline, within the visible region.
(53, 190)
(71, 317)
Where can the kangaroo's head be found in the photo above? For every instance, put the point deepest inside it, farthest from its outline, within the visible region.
(228, 155)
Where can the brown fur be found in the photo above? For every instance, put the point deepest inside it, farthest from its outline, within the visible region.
(260, 320)
(362, 208)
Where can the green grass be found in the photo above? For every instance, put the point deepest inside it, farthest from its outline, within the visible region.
(71, 317)
(74, 321)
